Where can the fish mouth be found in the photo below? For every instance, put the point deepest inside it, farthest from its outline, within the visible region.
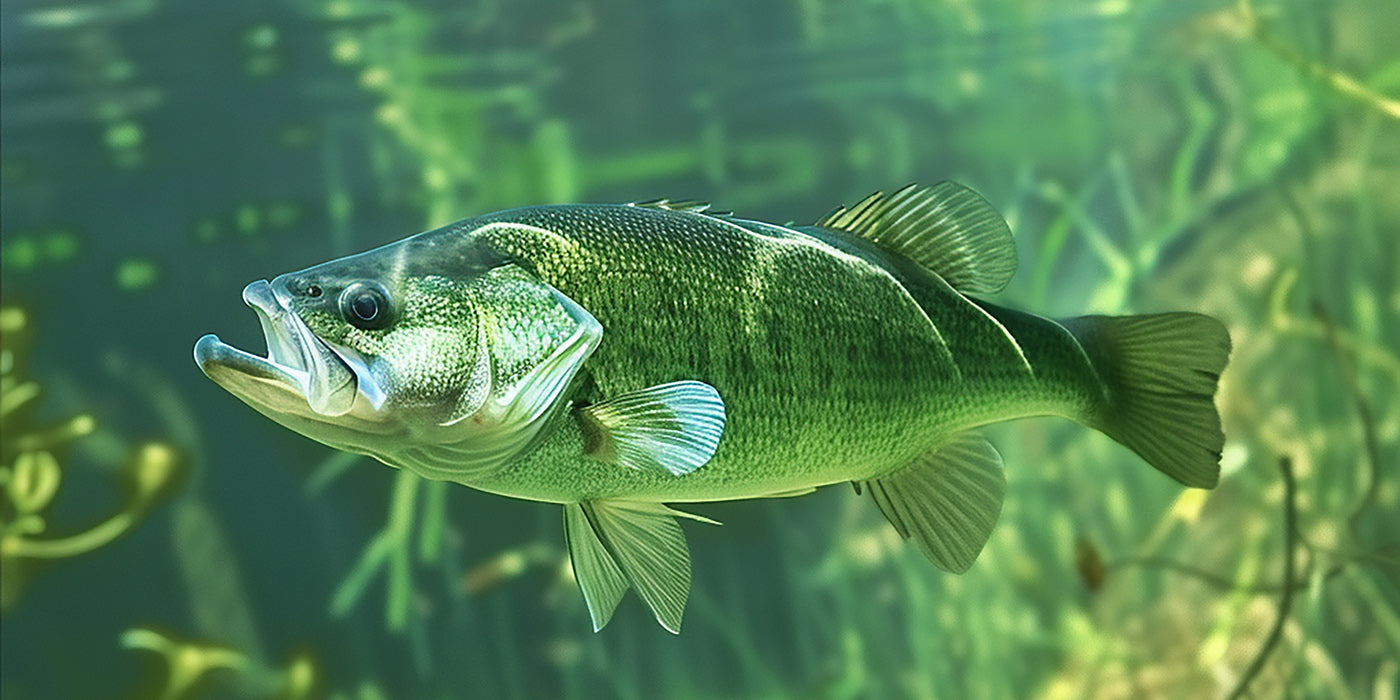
(299, 367)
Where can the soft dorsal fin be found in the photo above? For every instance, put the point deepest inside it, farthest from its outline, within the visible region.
(946, 228)
(693, 206)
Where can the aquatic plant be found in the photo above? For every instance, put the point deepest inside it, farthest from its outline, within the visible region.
(1231, 157)
(1112, 211)
(192, 668)
(31, 473)
(396, 547)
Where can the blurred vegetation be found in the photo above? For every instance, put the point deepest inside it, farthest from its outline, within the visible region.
(1235, 158)
(190, 665)
(31, 473)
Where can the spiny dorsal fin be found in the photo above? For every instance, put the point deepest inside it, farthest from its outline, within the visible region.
(693, 206)
(947, 228)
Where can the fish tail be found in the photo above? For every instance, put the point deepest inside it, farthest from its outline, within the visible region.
(1159, 374)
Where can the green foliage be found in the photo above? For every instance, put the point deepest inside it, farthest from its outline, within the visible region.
(1235, 159)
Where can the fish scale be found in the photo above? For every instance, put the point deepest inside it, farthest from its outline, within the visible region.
(842, 354)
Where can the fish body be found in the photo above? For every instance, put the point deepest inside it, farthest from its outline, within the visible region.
(614, 358)
(830, 369)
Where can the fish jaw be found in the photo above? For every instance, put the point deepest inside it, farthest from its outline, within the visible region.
(300, 375)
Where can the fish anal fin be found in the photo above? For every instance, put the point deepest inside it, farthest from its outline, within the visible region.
(616, 543)
(947, 501)
(946, 228)
(672, 427)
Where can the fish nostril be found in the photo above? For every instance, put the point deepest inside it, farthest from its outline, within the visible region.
(313, 290)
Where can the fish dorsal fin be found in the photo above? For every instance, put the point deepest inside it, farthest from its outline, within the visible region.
(693, 206)
(947, 500)
(946, 228)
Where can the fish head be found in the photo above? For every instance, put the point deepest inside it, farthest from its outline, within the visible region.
(435, 353)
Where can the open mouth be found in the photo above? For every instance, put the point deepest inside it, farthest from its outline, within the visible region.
(296, 361)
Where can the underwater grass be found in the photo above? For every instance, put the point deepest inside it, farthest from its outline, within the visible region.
(881, 622)
(1233, 158)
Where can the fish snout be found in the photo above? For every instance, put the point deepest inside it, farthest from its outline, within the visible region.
(259, 296)
(306, 287)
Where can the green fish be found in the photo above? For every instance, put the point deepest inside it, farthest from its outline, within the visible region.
(617, 358)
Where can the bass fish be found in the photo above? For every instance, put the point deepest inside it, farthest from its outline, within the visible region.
(615, 358)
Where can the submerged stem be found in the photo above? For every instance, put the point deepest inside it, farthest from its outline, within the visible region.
(81, 543)
(1363, 414)
(1338, 81)
(1213, 578)
(1285, 602)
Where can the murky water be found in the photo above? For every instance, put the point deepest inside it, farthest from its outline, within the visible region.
(162, 540)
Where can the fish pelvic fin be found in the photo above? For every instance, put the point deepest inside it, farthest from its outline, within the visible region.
(1159, 374)
(615, 544)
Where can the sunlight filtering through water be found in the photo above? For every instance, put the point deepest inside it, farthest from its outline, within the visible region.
(1229, 158)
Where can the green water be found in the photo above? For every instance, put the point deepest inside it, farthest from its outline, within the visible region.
(161, 540)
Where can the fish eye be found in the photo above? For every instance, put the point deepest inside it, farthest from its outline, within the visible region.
(365, 306)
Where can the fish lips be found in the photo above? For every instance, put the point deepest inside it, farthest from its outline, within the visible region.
(297, 363)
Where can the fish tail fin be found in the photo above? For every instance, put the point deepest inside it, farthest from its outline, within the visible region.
(1159, 374)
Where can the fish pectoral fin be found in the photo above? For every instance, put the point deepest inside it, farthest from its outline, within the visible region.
(669, 427)
(947, 500)
(615, 543)
(946, 228)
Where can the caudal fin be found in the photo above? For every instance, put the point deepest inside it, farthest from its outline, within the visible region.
(1160, 373)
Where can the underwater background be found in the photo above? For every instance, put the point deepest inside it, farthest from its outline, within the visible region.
(161, 540)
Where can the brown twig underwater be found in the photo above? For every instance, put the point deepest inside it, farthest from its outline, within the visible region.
(1290, 584)
(1285, 602)
(1212, 578)
(1338, 81)
(1363, 413)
